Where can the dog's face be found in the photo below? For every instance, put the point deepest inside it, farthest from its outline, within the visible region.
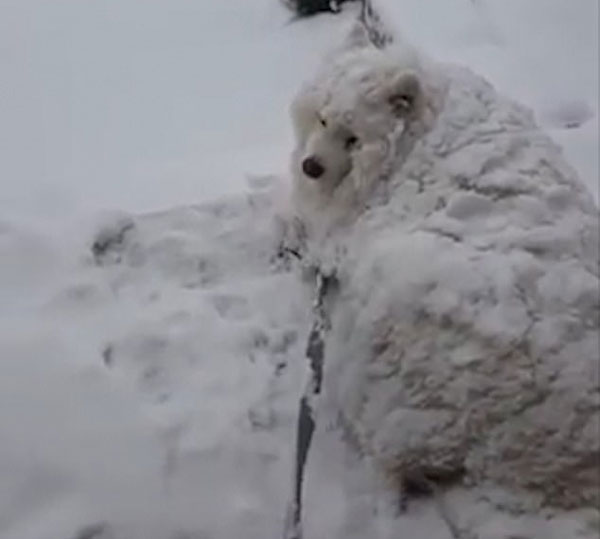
(326, 154)
(355, 108)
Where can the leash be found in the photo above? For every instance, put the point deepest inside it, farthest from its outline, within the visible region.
(380, 37)
(315, 353)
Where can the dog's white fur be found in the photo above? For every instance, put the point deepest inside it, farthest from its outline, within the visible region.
(465, 238)
(352, 118)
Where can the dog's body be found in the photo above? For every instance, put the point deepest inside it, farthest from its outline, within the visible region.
(468, 304)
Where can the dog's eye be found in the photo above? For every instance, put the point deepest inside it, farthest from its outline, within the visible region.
(322, 121)
(351, 141)
(402, 102)
(406, 101)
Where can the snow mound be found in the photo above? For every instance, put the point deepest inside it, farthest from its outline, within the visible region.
(215, 354)
(464, 343)
(154, 394)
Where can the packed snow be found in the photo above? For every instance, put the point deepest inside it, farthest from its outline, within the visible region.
(151, 364)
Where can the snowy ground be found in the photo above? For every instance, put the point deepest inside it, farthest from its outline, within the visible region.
(114, 406)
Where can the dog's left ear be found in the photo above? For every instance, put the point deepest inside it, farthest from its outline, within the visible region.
(405, 95)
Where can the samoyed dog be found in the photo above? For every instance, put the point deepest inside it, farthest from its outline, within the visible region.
(463, 340)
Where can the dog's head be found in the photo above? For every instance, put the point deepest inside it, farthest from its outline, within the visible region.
(364, 97)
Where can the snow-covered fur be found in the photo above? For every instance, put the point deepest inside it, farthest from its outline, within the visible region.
(361, 109)
(465, 337)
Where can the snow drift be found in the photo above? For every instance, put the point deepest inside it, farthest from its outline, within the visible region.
(214, 355)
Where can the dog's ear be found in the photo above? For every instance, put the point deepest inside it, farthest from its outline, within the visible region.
(405, 95)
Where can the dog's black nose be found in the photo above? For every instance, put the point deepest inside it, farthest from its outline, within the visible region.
(312, 168)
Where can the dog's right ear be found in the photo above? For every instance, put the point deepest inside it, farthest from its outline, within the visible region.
(405, 96)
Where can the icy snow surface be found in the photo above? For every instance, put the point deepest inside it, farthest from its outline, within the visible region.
(148, 389)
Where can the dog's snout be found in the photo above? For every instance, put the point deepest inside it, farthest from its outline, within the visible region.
(312, 168)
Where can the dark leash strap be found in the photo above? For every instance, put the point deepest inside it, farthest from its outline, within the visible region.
(378, 34)
(315, 351)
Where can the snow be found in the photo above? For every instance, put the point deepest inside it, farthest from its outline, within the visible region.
(150, 391)
(159, 367)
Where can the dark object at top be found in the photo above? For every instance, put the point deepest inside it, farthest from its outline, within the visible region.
(305, 8)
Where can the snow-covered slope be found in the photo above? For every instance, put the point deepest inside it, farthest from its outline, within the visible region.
(117, 419)
(153, 390)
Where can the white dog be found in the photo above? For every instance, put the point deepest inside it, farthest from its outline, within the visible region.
(465, 335)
